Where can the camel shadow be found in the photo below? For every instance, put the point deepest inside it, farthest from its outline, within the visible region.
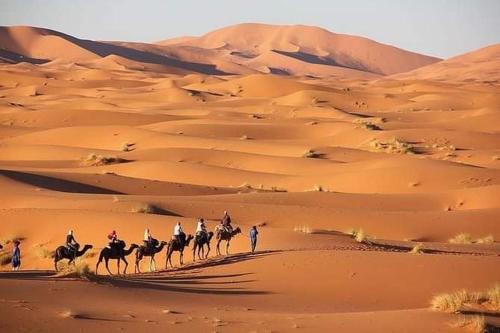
(27, 275)
(188, 280)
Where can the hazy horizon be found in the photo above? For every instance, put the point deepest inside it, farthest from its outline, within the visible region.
(441, 28)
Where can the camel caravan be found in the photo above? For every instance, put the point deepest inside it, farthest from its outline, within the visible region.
(117, 249)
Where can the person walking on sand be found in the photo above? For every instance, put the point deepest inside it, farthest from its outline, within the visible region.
(16, 256)
(253, 238)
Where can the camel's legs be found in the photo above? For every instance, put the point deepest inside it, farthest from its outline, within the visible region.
(208, 250)
(218, 247)
(55, 264)
(227, 247)
(106, 261)
(181, 254)
(126, 265)
(194, 252)
(152, 264)
(118, 264)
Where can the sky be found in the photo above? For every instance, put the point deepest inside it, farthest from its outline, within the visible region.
(441, 28)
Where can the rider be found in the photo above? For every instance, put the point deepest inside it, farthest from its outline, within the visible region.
(147, 238)
(178, 231)
(201, 229)
(226, 222)
(113, 238)
(71, 243)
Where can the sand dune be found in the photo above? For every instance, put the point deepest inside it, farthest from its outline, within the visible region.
(311, 139)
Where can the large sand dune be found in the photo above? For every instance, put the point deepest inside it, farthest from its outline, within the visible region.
(310, 140)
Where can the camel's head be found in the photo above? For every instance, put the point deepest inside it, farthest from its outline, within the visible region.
(210, 234)
(237, 231)
(87, 247)
(134, 246)
(188, 239)
(163, 243)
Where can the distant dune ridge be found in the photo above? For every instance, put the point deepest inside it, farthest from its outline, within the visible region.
(372, 170)
(239, 49)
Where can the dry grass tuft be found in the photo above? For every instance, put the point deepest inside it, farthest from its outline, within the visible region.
(244, 137)
(43, 253)
(146, 209)
(485, 240)
(493, 296)
(394, 146)
(80, 269)
(462, 238)
(127, 146)
(311, 154)
(475, 324)
(5, 258)
(418, 249)
(100, 160)
(358, 234)
(465, 238)
(454, 302)
(10, 238)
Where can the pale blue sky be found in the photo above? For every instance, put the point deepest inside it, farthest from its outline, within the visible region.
(441, 28)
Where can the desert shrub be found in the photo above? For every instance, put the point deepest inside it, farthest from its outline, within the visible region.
(318, 188)
(10, 238)
(475, 324)
(5, 258)
(79, 269)
(311, 154)
(462, 238)
(493, 296)
(465, 238)
(99, 160)
(146, 208)
(485, 240)
(394, 146)
(127, 146)
(358, 234)
(43, 253)
(418, 249)
(244, 137)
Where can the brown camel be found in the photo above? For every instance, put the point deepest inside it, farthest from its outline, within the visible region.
(116, 252)
(62, 252)
(222, 234)
(143, 251)
(199, 242)
(177, 245)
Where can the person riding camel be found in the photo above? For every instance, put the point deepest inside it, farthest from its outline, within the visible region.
(113, 239)
(226, 222)
(178, 232)
(147, 239)
(71, 243)
(201, 229)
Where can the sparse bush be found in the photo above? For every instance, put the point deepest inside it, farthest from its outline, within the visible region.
(5, 258)
(127, 146)
(475, 324)
(146, 209)
(43, 253)
(493, 296)
(10, 238)
(462, 238)
(311, 154)
(485, 240)
(465, 238)
(79, 269)
(358, 234)
(495, 158)
(394, 146)
(99, 160)
(418, 249)
(244, 137)
(318, 188)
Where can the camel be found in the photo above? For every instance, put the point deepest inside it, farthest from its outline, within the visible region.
(222, 234)
(175, 245)
(199, 243)
(62, 252)
(143, 251)
(117, 252)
